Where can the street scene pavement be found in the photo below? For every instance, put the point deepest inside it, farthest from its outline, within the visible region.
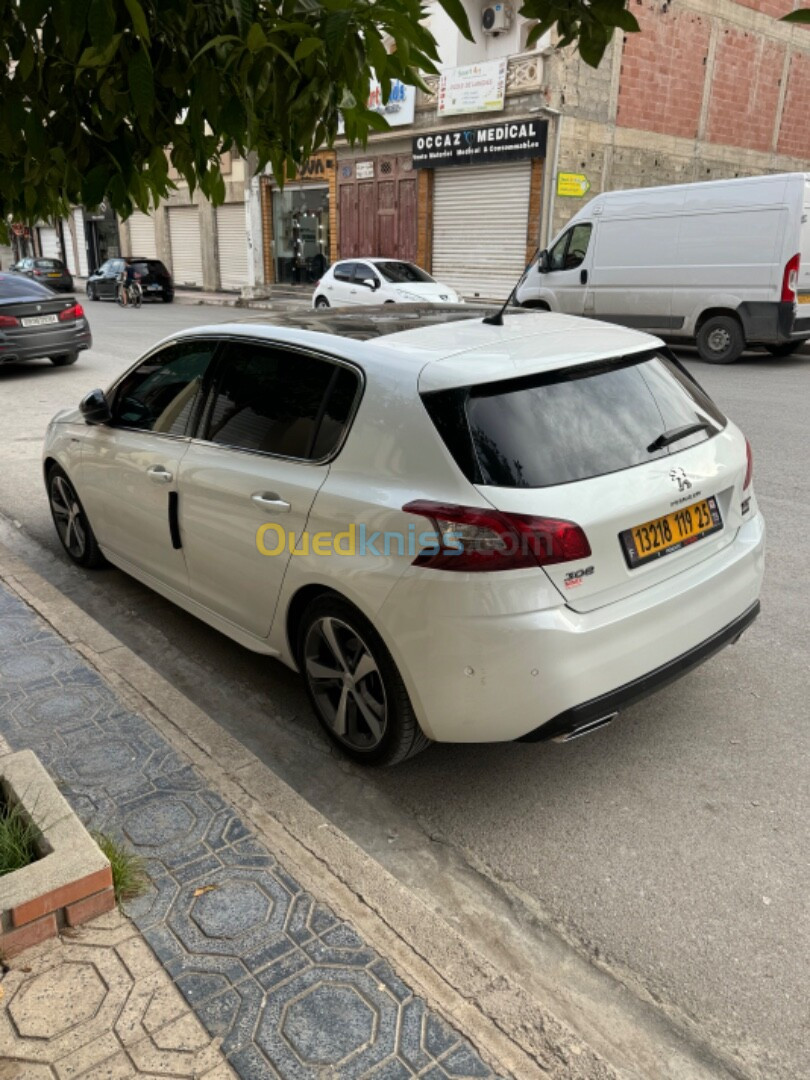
(654, 875)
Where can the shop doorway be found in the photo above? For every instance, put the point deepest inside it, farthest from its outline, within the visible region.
(301, 234)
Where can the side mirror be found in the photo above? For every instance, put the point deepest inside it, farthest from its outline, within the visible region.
(95, 408)
(542, 262)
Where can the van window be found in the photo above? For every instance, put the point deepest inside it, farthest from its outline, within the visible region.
(572, 424)
(570, 250)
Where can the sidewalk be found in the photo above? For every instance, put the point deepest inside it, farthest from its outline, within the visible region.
(275, 982)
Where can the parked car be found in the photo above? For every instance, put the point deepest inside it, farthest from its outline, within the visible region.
(50, 272)
(379, 281)
(153, 277)
(35, 322)
(454, 530)
(725, 264)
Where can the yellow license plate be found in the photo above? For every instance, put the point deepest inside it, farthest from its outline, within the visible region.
(54, 275)
(804, 298)
(677, 530)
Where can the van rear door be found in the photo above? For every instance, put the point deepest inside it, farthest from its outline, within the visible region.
(804, 250)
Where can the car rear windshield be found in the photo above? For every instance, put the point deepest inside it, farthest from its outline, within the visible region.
(48, 264)
(401, 272)
(22, 288)
(573, 424)
(148, 266)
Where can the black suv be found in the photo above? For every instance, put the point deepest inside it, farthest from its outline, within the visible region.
(152, 276)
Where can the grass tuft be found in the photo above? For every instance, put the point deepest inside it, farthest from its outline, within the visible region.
(128, 869)
(18, 839)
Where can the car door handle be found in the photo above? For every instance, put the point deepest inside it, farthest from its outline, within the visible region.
(268, 500)
(159, 474)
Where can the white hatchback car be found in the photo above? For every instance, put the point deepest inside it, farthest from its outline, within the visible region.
(379, 281)
(454, 530)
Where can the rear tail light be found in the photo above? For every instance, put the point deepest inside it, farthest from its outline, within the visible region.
(317, 283)
(7, 321)
(790, 279)
(38, 273)
(75, 311)
(468, 539)
(749, 467)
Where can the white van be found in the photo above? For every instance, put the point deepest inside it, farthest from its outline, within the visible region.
(725, 264)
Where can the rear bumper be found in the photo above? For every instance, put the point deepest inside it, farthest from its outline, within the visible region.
(50, 342)
(584, 716)
(499, 675)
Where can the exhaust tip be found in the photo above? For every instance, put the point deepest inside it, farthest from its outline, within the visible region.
(586, 729)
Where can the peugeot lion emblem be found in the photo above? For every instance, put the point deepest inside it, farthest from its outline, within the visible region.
(679, 477)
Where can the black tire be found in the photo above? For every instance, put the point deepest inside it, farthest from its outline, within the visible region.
(720, 340)
(80, 544)
(379, 694)
(168, 297)
(321, 302)
(91, 291)
(65, 360)
(787, 349)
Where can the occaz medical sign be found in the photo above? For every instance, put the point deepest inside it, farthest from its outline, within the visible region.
(507, 141)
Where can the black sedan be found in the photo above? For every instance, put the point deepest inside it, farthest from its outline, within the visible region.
(36, 322)
(152, 276)
(50, 272)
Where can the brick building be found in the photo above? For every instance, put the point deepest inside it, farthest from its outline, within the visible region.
(709, 89)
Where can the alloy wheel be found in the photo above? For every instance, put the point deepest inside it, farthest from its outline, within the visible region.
(67, 515)
(346, 683)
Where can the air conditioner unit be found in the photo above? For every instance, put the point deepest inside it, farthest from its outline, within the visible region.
(496, 19)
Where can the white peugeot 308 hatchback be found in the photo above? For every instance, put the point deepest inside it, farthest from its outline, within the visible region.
(454, 530)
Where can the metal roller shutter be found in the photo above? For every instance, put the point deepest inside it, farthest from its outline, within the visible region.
(142, 236)
(480, 218)
(232, 245)
(81, 241)
(70, 251)
(184, 233)
(49, 242)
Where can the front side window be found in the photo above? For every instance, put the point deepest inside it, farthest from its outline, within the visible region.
(570, 250)
(160, 393)
(401, 273)
(275, 401)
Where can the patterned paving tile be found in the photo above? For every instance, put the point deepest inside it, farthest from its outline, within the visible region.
(291, 990)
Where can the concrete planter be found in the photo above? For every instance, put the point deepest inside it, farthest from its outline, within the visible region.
(71, 880)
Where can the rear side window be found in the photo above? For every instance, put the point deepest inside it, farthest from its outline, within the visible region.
(276, 401)
(573, 424)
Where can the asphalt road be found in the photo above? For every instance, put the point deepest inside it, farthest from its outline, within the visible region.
(669, 849)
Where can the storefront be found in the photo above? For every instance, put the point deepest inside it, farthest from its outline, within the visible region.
(299, 223)
(101, 240)
(485, 202)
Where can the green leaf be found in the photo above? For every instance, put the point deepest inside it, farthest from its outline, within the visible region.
(455, 9)
(221, 39)
(256, 38)
(802, 16)
(26, 62)
(138, 16)
(306, 47)
(101, 22)
(142, 84)
(94, 185)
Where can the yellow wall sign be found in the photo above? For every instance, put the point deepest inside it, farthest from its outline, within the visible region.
(573, 184)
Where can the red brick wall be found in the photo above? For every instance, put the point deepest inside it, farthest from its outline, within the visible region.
(777, 8)
(794, 134)
(663, 70)
(745, 90)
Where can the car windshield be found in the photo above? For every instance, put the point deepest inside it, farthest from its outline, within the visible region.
(21, 288)
(574, 423)
(48, 264)
(399, 273)
(148, 266)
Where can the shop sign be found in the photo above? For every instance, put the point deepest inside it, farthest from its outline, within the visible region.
(474, 88)
(364, 170)
(398, 110)
(573, 185)
(508, 141)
